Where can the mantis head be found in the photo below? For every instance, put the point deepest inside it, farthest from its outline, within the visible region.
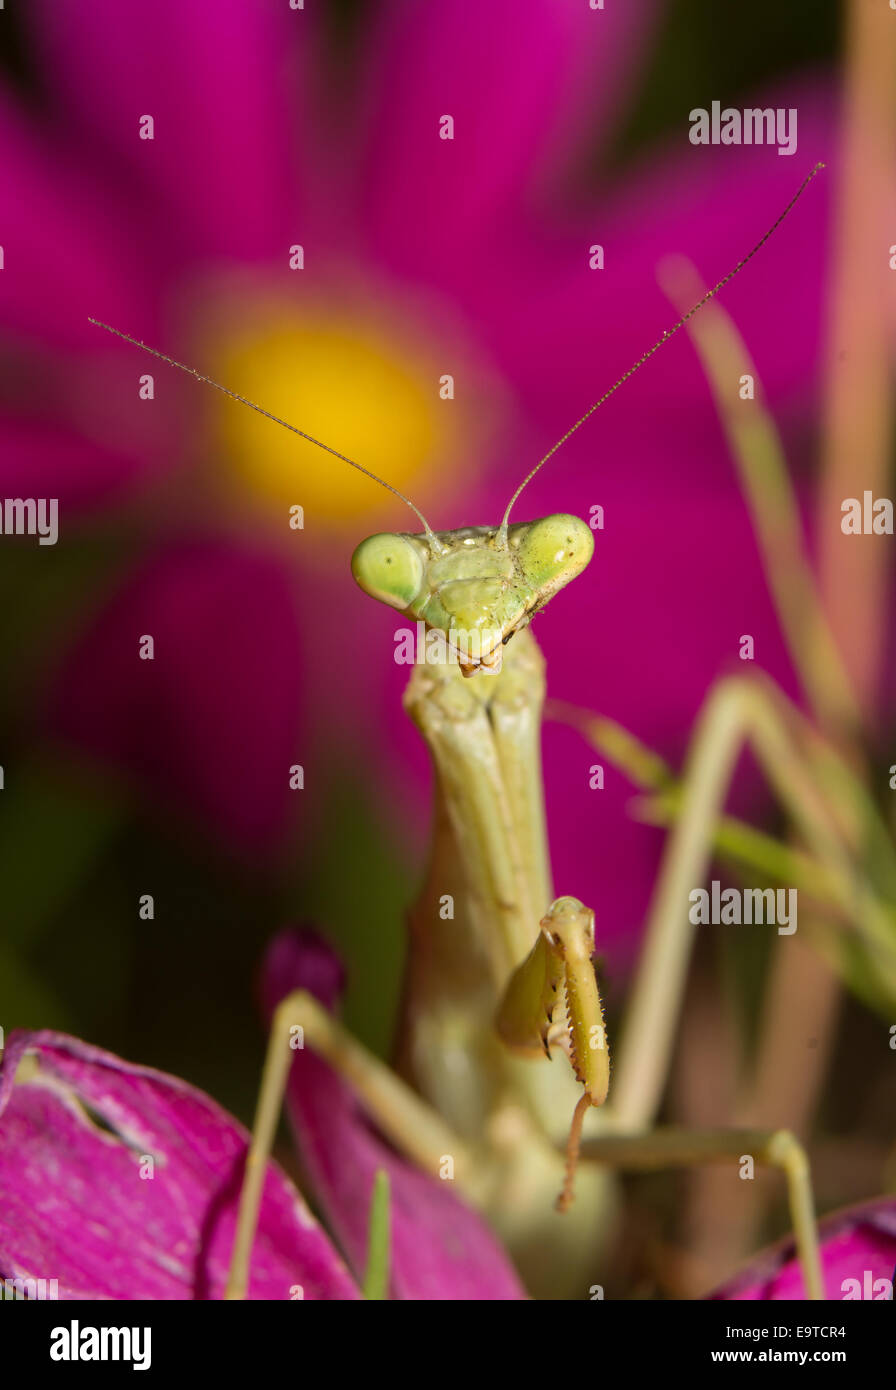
(477, 586)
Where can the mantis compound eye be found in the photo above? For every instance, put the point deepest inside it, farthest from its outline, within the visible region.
(388, 568)
(554, 550)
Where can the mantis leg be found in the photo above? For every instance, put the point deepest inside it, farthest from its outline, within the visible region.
(739, 711)
(670, 1148)
(402, 1116)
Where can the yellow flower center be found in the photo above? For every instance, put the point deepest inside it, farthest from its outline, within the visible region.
(359, 385)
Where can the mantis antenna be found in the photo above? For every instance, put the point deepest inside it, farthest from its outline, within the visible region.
(501, 539)
(191, 371)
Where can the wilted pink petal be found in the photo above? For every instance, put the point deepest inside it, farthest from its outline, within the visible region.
(75, 1207)
(858, 1257)
(440, 1249)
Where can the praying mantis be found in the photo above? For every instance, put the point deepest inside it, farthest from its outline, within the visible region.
(500, 984)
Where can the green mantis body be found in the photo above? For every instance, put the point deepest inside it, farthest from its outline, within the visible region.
(478, 588)
(500, 979)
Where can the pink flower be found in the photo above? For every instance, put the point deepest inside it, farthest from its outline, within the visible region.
(122, 1182)
(468, 256)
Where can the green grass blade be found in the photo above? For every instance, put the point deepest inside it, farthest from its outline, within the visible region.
(376, 1274)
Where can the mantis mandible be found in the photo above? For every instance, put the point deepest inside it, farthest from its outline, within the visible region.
(486, 1007)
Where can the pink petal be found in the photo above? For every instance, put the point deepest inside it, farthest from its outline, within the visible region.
(215, 83)
(44, 460)
(858, 1251)
(76, 1209)
(69, 249)
(211, 724)
(705, 203)
(519, 80)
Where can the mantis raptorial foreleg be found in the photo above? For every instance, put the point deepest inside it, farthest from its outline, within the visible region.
(413, 1126)
(561, 960)
(562, 957)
